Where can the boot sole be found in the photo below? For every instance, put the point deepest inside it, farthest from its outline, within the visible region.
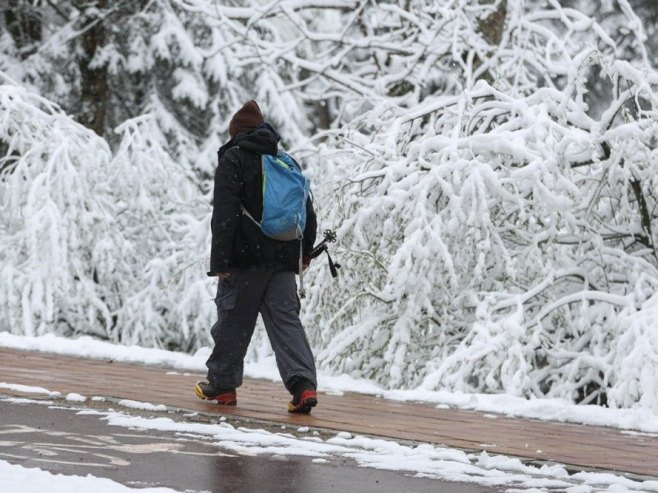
(303, 408)
(203, 396)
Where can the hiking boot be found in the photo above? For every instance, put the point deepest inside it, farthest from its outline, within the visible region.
(225, 397)
(304, 398)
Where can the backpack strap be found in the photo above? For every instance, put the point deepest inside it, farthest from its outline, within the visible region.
(246, 213)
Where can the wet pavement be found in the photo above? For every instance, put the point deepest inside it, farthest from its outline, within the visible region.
(61, 440)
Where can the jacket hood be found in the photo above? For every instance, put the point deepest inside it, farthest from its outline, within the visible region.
(263, 140)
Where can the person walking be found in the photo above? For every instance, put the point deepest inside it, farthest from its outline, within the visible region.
(256, 274)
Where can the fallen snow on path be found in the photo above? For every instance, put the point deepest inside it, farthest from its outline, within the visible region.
(73, 397)
(19, 479)
(639, 419)
(28, 389)
(422, 460)
(146, 406)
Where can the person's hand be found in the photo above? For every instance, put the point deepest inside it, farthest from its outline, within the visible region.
(224, 275)
(306, 261)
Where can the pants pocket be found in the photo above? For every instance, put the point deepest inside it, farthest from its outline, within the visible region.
(227, 294)
(291, 303)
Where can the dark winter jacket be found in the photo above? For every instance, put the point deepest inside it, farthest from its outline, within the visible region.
(237, 242)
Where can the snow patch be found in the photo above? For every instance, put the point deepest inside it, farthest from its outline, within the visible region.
(146, 406)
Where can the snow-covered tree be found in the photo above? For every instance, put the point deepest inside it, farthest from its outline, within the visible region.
(489, 164)
(107, 62)
(496, 235)
(59, 250)
(94, 242)
(161, 212)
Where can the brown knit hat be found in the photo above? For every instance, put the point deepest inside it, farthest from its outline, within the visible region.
(246, 119)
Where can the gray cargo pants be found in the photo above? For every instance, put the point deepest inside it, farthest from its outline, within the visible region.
(239, 300)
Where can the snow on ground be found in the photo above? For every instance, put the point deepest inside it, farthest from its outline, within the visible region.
(638, 419)
(146, 406)
(73, 397)
(19, 479)
(423, 460)
(26, 389)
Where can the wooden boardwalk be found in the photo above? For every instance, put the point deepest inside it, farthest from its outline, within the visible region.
(577, 445)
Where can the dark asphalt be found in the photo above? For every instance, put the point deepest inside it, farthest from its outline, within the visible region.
(63, 441)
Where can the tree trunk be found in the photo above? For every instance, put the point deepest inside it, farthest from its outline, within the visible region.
(492, 28)
(94, 93)
(23, 22)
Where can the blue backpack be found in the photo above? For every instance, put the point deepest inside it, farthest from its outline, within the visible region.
(285, 191)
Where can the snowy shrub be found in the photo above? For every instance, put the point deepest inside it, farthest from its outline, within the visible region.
(166, 91)
(633, 357)
(493, 236)
(164, 219)
(59, 248)
(490, 167)
(95, 243)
